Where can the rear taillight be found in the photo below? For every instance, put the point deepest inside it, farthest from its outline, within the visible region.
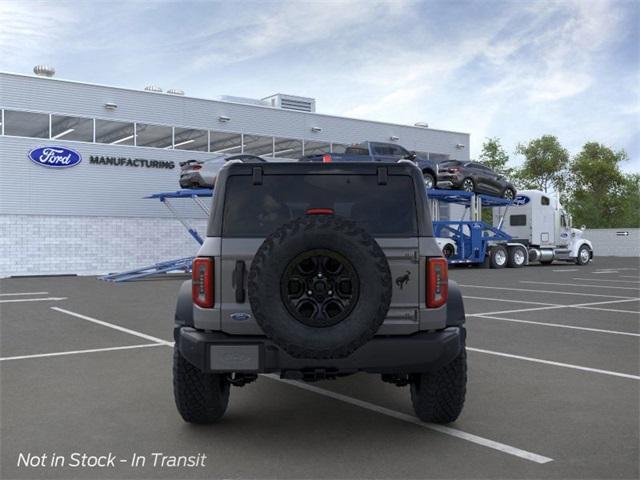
(326, 158)
(202, 282)
(319, 211)
(196, 167)
(437, 282)
(454, 170)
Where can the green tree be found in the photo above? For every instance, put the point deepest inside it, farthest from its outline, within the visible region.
(494, 156)
(600, 195)
(545, 164)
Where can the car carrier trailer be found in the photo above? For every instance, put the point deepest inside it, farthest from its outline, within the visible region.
(532, 228)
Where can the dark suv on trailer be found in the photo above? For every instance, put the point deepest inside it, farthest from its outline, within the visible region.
(474, 177)
(316, 271)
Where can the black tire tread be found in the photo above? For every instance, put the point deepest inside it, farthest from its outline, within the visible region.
(438, 397)
(200, 397)
(324, 222)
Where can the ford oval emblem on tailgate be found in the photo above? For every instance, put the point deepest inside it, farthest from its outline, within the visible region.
(55, 157)
(240, 316)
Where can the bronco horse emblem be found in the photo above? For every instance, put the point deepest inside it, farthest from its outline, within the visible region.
(403, 280)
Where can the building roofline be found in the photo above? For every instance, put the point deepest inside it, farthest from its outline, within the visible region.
(232, 103)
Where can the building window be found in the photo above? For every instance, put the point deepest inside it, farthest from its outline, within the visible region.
(190, 139)
(26, 124)
(224, 142)
(71, 128)
(114, 133)
(316, 148)
(258, 145)
(157, 136)
(287, 148)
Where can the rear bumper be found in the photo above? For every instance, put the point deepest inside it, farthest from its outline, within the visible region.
(219, 352)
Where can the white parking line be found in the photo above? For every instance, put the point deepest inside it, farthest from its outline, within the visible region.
(551, 306)
(530, 290)
(604, 280)
(485, 442)
(581, 285)
(557, 364)
(558, 325)
(23, 293)
(567, 270)
(47, 299)
(75, 352)
(466, 297)
(115, 327)
(628, 276)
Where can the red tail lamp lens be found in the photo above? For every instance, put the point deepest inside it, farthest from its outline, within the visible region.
(437, 282)
(319, 211)
(202, 282)
(326, 158)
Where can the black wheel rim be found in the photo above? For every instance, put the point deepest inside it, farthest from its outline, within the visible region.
(467, 185)
(320, 288)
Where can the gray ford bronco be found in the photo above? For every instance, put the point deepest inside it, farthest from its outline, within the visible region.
(317, 271)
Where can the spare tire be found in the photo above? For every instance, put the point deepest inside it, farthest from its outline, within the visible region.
(320, 287)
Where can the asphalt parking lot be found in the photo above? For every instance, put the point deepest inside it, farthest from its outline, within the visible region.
(554, 383)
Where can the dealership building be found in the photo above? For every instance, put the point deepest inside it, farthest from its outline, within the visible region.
(91, 217)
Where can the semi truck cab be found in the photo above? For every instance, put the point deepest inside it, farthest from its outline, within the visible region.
(538, 221)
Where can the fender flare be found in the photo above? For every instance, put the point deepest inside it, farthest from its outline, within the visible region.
(184, 306)
(580, 243)
(429, 171)
(455, 306)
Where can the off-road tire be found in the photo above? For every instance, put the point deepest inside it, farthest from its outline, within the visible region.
(438, 397)
(498, 253)
(304, 234)
(200, 397)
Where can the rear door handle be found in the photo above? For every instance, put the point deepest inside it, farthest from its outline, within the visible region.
(238, 281)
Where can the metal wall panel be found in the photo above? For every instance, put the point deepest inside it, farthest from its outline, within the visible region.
(100, 190)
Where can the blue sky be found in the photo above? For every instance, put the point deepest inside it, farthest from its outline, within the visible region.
(514, 69)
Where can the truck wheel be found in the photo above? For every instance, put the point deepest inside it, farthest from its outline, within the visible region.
(429, 181)
(498, 257)
(517, 257)
(584, 255)
(438, 397)
(320, 287)
(200, 397)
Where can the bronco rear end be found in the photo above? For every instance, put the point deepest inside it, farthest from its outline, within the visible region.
(317, 271)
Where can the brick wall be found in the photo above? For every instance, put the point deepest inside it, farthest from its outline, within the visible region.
(45, 245)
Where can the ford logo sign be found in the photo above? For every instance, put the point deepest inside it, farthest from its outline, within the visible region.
(521, 200)
(55, 157)
(240, 316)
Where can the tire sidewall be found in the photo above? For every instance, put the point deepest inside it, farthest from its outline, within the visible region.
(297, 338)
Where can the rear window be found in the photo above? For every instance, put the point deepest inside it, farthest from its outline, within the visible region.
(356, 151)
(257, 210)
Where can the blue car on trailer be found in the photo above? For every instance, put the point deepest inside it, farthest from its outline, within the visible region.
(472, 240)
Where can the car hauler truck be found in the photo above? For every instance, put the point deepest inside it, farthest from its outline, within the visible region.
(538, 221)
(532, 228)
